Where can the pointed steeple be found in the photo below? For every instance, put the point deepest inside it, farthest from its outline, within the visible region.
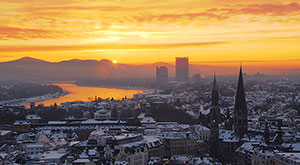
(215, 108)
(240, 99)
(215, 82)
(240, 114)
(215, 93)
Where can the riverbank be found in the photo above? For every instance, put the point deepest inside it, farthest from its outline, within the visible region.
(87, 93)
(118, 87)
(73, 92)
(128, 84)
(35, 99)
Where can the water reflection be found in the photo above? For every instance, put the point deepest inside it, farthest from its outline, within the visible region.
(79, 93)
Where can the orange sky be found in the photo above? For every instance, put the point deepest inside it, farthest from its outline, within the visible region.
(146, 31)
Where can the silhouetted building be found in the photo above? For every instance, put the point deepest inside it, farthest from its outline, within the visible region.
(182, 68)
(228, 121)
(267, 133)
(162, 75)
(215, 118)
(197, 78)
(32, 105)
(215, 107)
(240, 116)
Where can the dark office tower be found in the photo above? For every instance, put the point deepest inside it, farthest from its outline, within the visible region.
(215, 107)
(182, 68)
(240, 108)
(162, 75)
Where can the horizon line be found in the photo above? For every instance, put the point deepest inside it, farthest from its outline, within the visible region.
(170, 63)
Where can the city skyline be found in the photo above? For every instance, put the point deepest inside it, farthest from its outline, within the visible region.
(150, 82)
(263, 34)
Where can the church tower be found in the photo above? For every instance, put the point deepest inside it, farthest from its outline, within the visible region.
(215, 117)
(267, 133)
(240, 116)
(228, 121)
(215, 107)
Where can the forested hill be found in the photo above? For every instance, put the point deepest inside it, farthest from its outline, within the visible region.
(19, 90)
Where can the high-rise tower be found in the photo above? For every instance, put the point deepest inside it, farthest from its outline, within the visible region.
(162, 75)
(182, 68)
(240, 115)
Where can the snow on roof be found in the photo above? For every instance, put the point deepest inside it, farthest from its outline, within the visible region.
(83, 155)
(53, 154)
(146, 120)
(57, 122)
(294, 156)
(34, 145)
(205, 112)
(4, 132)
(228, 136)
(74, 143)
(121, 163)
(202, 127)
(245, 147)
(176, 135)
(33, 117)
(21, 122)
(92, 121)
(81, 161)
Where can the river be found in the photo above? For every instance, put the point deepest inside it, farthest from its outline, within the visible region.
(82, 93)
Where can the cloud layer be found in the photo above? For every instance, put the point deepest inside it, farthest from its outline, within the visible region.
(211, 30)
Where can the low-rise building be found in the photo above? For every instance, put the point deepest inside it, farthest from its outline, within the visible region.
(285, 158)
(21, 126)
(33, 149)
(58, 156)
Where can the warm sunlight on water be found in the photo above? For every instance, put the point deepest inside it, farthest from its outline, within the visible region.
(79, 93)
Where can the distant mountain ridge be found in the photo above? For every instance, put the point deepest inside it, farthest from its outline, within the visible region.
(31, 69)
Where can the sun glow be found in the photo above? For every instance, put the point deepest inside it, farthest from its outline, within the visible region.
(143, 31)
(114, 61)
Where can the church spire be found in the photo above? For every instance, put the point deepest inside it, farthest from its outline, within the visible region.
(215, 114)
(240, 108)
(215, 93)
(215, 82)
(240, 99)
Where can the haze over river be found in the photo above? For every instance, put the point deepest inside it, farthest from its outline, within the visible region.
(82, 93)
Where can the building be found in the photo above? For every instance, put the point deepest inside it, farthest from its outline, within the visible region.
(102, 115)
(58, 156)
(261, 156)
(285, 158)
(182, 68)
(215, 119)
(132, 148)
(162, 75)
(179, 143)
(202, 132)
(240, 114)
(33, 118)
(33, 149)
(215, 107)
(83, 162)
(21, 126)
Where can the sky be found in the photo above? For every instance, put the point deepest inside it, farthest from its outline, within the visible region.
(262, 33)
